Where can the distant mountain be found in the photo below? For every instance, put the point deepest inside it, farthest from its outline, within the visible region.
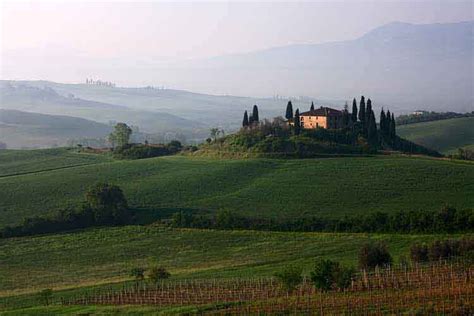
(33, 130)
(402, 65)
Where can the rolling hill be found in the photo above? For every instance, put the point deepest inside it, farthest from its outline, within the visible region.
(445, 136)
(33, 130)
(329, 187)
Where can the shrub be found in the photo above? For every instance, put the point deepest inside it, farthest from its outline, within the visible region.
(419, 252)
(46, 296)
(374, 255)
(158, 273)
(329, 274)
(137, 273)
(289, 277)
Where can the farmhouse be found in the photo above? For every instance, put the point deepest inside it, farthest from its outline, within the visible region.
(323, 117)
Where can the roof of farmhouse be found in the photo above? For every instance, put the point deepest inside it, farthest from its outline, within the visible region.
(322, 111)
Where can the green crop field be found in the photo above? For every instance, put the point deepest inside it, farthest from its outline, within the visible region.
(106, 255)
(445, 136)
(157, 187)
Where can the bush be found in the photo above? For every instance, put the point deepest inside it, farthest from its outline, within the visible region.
(46, 295)
(374, 255)
(137, 273)
(419, 253)
(158, 273)
(289, 277)
(329, 274)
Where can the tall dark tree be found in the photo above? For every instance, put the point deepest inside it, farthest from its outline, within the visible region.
(382, 122)
(371, 128)
(393, 131)
(297, 123)
(312, 106)
(289, 111)
(345, 116)
(255, 114)
(362, 110)
(388, 123)
(368, 110)
(245, 121)
(354, 111)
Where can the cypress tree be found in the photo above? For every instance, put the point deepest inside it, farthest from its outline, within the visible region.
(312, 106)
(255, 114)
(354, 111)
(388, 123)
(245, 122)
(382, 122)
(362, 110)
(297, 122)
(371, 128)
(393, 131)
(289, 111)
(368, 110)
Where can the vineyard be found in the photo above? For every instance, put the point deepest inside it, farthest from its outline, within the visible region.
(436, 288)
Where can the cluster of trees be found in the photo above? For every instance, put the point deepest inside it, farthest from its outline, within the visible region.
(426, 116)
(105, 205)
(155, 274)
(120, 136)
(446, 220)
(100, 83)
(141, 151)
(442, 249)
(252, 120)
(463, 154)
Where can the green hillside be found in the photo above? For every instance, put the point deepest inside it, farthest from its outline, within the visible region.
(106, 255)
(445, 136)
(268, 188)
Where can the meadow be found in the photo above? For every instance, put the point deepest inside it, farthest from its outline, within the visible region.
(106, 255)
(445, 136)
(43, 183)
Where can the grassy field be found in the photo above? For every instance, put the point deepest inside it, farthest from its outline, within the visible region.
(445, 136)
(16, 162)
(157, 187)
(106, 255)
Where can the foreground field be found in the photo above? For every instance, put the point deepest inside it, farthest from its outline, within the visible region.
(445, 136)
(269, 188)
(107, 255)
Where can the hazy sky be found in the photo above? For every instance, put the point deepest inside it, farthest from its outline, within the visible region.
(152, 30)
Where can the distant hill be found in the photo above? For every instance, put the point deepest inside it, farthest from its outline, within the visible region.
(445, 136)
(20, 129)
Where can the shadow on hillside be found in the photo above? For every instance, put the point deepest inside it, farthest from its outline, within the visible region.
(145, 216)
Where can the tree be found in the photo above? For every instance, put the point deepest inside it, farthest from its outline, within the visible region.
(373, 255)
(312, 106)
(121, 135)
(297, 123)
(289, 277)
(383, 129)
(393, 131)
(138, 273)
(328, 274)
(371, 128)
(46, 296)
(245, 122)
(362, 111)
(158, 273)
(108, 204)
(345, 116)
(214, 133)
(289, 111)
(255, 114)
(354, 111)
(368, 110)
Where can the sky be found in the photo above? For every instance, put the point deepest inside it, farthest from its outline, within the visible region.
(35, 32)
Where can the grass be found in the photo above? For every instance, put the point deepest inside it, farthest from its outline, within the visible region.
(106, 255)
(16, 162)
(157, 187)
(445, 136)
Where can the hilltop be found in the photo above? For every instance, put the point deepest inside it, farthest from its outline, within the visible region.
(446, 136)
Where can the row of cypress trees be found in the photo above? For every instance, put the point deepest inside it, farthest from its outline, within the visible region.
(253, 119)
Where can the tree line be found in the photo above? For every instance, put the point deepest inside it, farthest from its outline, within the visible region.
(446, 220)
(426, 116)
